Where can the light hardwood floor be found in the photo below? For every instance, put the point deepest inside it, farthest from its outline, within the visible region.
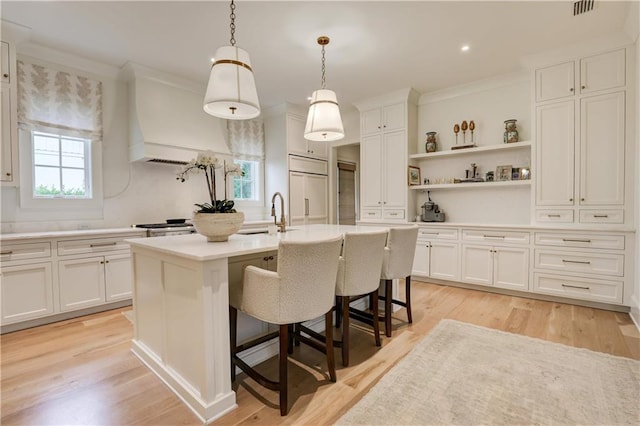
(82, 371)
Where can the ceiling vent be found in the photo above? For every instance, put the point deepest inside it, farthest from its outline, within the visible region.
(582, 6)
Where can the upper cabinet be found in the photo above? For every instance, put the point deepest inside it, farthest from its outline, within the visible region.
(597, 72)
(581, 141)
(386, 124)
(9, 143)
(6, 64)
(298, 145)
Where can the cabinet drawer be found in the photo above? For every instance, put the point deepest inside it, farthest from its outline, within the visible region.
(592, 263)
(93, 245)
(557, 216)
(601, 216)
(371, 214)
(614, 242)
(495, 236)
(578, 288)
(439, 233)
(393, 214)
(12, 252)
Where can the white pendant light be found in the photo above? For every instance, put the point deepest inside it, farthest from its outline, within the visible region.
(323, 121)
(231, 92)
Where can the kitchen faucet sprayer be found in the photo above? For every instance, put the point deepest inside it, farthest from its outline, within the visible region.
(282, 224)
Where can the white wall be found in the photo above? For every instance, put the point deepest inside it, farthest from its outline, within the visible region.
(133, 192)
(488, 103)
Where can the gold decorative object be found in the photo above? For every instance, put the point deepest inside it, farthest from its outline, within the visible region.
(456, 130)
(464, 127)
(472, 126)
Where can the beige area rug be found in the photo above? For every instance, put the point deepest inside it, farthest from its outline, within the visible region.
(467, 375)
(128, 315)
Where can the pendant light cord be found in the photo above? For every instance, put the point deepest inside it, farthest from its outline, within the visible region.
(323, 70)
(233, 24)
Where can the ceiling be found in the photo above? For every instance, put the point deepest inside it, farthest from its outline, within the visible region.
(376, 46)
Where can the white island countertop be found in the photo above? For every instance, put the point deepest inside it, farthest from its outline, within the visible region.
(196, 247)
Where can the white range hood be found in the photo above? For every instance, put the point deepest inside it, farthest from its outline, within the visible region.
(166, 121)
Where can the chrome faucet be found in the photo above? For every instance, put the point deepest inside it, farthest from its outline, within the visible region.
(280, 225)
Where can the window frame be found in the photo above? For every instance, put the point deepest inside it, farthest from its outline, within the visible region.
(259, 186)
(56, 208)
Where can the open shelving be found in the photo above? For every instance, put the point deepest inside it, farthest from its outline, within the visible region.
(463, 185)
(464, 151)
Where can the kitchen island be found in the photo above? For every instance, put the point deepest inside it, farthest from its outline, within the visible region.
(181, 309)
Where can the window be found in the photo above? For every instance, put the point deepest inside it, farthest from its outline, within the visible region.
(60, 139)
(247, 186)
(61, 166)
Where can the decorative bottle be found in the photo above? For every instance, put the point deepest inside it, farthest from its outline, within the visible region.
(510, 131)
(430, 145)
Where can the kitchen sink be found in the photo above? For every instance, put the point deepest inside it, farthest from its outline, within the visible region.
(258, 231)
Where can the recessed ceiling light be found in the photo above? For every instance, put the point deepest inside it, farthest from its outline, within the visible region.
(465, 48)
(213, 60)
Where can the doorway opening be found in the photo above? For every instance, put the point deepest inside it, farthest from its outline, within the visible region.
(346, 193)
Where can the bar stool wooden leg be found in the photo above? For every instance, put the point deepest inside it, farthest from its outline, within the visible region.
(345, 331)
(376, 323)
(284, 346)
(387, 306)
(328, 330)
(338, 305)
(407, 292)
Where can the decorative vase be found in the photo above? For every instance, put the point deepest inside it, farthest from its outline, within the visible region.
(510, 131)
(430, 145)
(217, 226)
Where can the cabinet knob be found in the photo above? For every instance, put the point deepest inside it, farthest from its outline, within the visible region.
(584, 87)
(571, 199)
(378, 127)
(5, 75)
(581, 199)
(571, 89)
(8, 174)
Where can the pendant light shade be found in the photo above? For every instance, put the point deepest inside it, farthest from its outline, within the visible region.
(323, 121)
(231, 92)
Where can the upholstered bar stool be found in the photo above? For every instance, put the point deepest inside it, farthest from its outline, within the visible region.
(303, 288)
(397, 263)
(359, 271)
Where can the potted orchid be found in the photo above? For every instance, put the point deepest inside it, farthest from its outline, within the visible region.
(216, 219)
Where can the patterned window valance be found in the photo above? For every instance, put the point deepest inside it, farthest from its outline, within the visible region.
(246, 139)
(59, 102)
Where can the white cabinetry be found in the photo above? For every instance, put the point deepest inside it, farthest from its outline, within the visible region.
(386, 124)
(26, 281)
(587, 266)
(580, 141)
(297, 144)
(496, 262)
(437, 254)
(308, 198)
(8, 91)
(44, 280)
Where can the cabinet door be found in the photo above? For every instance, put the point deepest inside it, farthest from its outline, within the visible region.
(81, 283)
(118, 277)
(296, 199)
(555, 154)
(371, 169)
(477, 264)
(444, 261)
(315, 198)
(602, 146)
(296, 143)
(318, 149)
(393, 117)
(421, 259)
(511, 268)
(555, 82)
(395, 170)
(600, 72)
(6, 174)
(371, 121)
(27, 292)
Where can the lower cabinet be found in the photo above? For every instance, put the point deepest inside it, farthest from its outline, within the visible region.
(93, 281)
(27, 292)
(437, 259)
(504, 267)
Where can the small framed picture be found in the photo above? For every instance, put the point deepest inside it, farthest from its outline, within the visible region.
(525, 173)
(504, 173)
(414, 175)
